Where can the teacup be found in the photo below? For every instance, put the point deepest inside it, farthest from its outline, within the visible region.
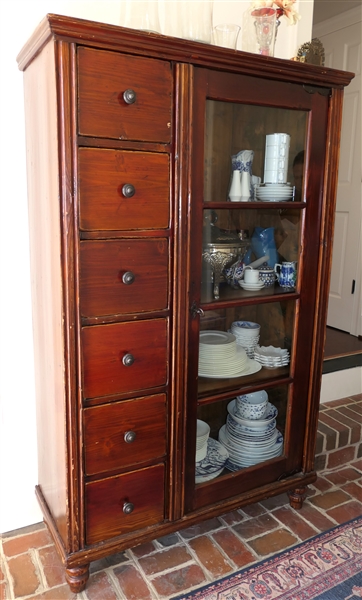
(251, 275)
(251, 406)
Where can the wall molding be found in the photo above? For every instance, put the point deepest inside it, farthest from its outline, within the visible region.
(350, 17)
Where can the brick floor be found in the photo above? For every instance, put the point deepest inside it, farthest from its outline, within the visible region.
(30, 567)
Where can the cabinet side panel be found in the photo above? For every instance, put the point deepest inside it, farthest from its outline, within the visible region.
(45, 256)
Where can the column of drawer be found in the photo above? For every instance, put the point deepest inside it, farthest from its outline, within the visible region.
(124, 190)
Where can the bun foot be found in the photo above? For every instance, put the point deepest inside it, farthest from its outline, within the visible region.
(77, 578)
(296, 497)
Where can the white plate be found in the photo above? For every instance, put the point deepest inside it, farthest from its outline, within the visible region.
(250, 287)
(216, 338)
(259, 284)
(251, 367)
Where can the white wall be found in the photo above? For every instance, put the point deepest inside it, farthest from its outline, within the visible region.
(18, 453)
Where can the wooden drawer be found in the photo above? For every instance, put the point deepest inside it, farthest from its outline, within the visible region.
(107, 501)
(123, 276)
(105, 369)
(103, 174)
(124, 433)
(104, 77)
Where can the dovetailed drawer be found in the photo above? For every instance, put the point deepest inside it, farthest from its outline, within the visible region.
(123, 276)
(103, 111)
(122, 504)
(124, 357)
(121, 190)
(123, 434)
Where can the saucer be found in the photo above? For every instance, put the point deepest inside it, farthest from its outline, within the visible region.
(251, 286)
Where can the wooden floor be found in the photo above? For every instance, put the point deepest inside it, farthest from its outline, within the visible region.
(340, 343)
(342, 351)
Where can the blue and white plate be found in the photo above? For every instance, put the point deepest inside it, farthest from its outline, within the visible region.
(213, 463)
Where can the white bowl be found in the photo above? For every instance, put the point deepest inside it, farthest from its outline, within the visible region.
(202, 434)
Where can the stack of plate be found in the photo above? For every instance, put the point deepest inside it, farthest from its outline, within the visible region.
(247, 335)
(270, 357)
(249, 442)
(251, 287)
(274, 192)
(221, 357)
(214, 462)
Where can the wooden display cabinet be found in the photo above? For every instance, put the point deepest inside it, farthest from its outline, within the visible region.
(129, 139)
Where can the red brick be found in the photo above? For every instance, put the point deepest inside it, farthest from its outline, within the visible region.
(337, 426)
(233, 547)
(353, 489)
(210, 556)
(356, 398)
(357, 464)
(143, 549)
(21, 544)
(276, 501)
(177, 581)
(315, 517)
(24, 575)
(2, 574)
(322, 484)
(330, 499)
(347, 511)
(131, 582)
(291, 519)
(334, 403)
(343, 475)
(257, 526)
(355, 427)
(100, 588)
(254, 510)
(340, 457)
(52, 566)
(166, 559)
(4, 591)
(273, 542)
(200, 528)
(233, 517)
(59, 593)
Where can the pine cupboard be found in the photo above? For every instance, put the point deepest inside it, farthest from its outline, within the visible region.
(129, 143)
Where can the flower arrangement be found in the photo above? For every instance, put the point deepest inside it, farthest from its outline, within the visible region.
(283, 7)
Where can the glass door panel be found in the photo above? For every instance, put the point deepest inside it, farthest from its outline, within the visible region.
(238, 436)
(277, 232)
(232, 128)
(235, 238)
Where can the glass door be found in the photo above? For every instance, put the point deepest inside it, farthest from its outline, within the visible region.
(257, 172)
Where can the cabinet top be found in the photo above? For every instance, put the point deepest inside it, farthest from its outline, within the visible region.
(133, 41)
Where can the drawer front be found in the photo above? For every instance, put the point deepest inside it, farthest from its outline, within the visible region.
(107, 502)
(108, 351)
(123, 276)
(104, 180)
(124, 433)
(103, 112)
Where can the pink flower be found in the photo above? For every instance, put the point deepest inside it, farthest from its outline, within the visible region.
(283, 7)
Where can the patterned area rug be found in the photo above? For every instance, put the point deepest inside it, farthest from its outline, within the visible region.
(326, 567)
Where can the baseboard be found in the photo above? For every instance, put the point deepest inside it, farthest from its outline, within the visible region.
(341, 384)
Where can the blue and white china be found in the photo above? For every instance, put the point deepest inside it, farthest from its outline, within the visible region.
(286, 273)
(213, 463)
(271, 412)
(267, 275)
(251, 406)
